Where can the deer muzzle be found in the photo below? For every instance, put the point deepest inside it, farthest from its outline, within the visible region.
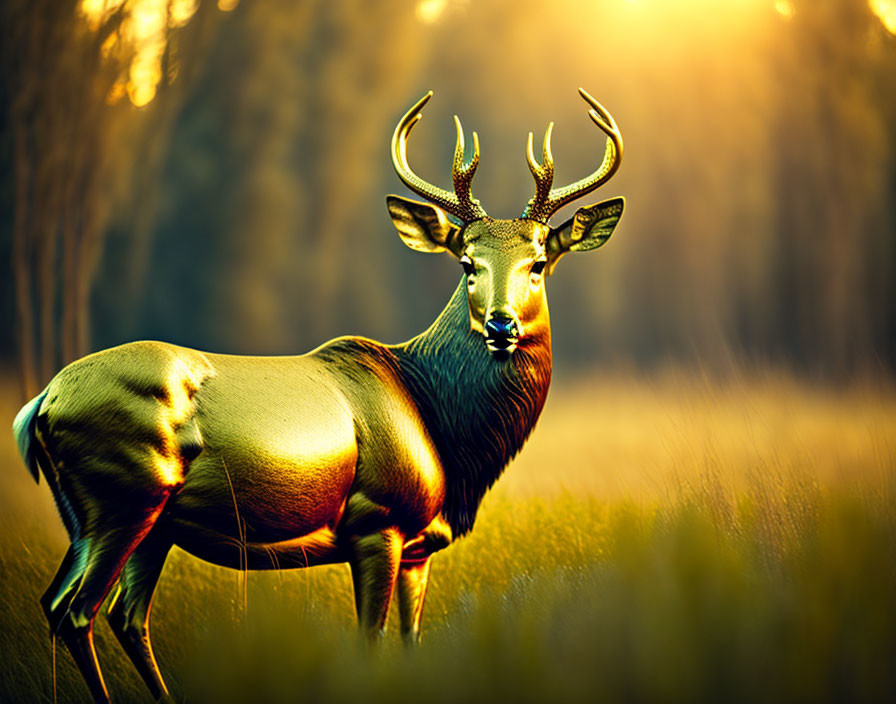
(501, 335)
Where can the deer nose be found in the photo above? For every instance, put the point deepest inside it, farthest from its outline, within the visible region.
(501, 333)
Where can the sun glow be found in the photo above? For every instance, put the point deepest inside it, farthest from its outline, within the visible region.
(429, 11)
(886, 12)
(784, 8)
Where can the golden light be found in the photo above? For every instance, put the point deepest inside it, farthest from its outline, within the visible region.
(784, 8)
(116, 93)
(109, 45)
(886, 12)
(96, 11)
(144, 30)
(428, 11)
(144, 33)
(181, 11)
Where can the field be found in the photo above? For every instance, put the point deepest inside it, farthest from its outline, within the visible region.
(665, 539)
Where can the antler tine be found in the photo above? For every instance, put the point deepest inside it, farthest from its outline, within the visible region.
(462, 173)
(611, 161)
(465, 208)
(542, 173)
(542, 209)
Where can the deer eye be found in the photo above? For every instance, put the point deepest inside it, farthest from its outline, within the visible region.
(538, 267)
(467, 264)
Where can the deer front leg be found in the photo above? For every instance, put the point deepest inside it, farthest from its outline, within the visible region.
(413, 576)
(374, 563)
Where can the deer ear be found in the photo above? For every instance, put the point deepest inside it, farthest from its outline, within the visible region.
(424, 227)
(589, 228)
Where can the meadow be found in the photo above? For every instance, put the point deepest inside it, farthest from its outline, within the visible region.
(661, 539)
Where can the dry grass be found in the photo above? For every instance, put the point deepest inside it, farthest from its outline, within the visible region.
(668, 539)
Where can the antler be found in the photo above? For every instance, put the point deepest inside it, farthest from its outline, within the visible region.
(547, 200)
(460, 203)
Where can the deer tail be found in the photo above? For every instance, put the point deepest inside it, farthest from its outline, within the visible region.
(23, 429)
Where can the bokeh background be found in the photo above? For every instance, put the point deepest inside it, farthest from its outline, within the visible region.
(705, 511)
(214, 175)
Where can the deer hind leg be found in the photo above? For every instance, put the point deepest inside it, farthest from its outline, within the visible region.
(128, 614)
(56, 598)
(98, 558)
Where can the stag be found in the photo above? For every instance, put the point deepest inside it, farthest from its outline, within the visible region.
(360, 452)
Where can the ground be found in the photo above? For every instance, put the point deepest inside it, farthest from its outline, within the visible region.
(671, 538)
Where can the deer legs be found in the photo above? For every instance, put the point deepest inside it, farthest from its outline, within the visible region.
(413, 575)
(56, 598)
(128, 614)
(374, 563)
(89, 570)
(381, 561)
(412, 579)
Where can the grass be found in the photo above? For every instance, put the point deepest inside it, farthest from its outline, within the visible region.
(671, 539)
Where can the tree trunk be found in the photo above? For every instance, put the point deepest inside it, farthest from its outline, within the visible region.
(22, 265)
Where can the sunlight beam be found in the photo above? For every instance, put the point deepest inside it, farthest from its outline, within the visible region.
(886, 13)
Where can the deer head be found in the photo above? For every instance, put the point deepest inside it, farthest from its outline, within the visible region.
(505, 261)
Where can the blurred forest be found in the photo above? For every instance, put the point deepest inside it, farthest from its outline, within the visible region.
(214, 174)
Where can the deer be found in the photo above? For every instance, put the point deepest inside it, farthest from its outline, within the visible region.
(357, 452)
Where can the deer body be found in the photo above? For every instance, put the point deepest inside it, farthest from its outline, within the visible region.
(376, 455)
(259, 454)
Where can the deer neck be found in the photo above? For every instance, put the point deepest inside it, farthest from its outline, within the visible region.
(479, 411)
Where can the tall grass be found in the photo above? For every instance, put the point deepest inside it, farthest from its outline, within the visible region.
(662, 540)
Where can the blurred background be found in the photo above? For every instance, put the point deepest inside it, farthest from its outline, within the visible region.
(705, 512)
(214, 174)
